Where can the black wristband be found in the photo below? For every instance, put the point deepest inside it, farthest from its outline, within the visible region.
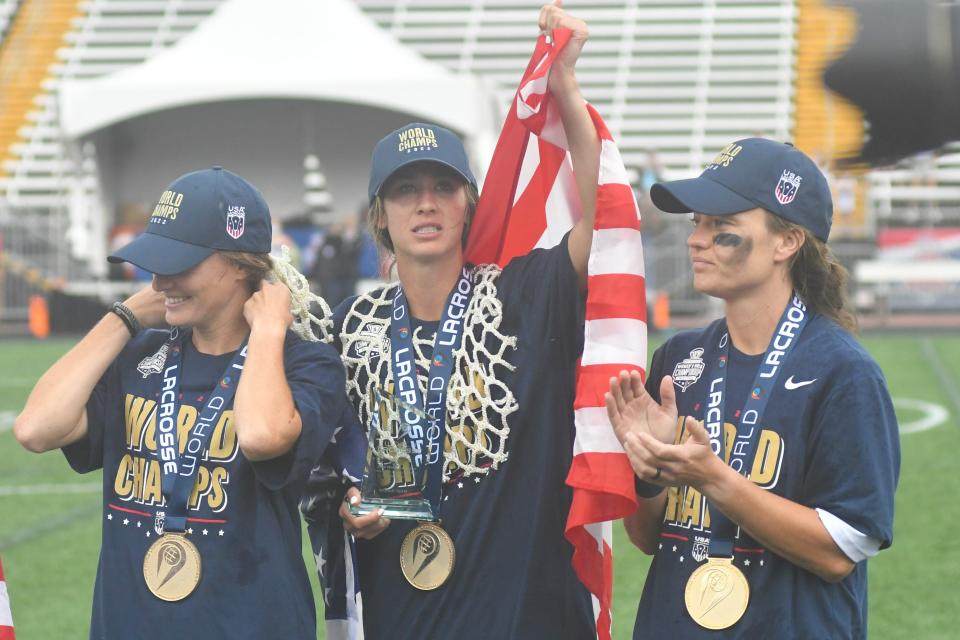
(646, 489)
(123, 311)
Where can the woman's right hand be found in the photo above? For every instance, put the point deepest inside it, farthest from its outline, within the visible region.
(632, 410)
(366, 527)
(149, 306)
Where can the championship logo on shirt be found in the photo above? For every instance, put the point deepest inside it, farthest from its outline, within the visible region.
(689, 370)
(787, 187)
(158, 519)
(372, 337)
(153, 364)
(235, 219)
(701, 546)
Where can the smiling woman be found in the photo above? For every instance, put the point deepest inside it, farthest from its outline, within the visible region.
(215, 421)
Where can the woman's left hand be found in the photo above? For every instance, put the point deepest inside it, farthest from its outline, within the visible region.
(552, 16)
(691, 463)
(269, 308)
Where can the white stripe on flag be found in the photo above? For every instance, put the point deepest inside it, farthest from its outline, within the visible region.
(612, 170)
(531, 160)
(615, 341)
(594, 434)
(563, 203)
(535, 86)
(615, 251)
(6, 620)
(553, 131)
(354, 597)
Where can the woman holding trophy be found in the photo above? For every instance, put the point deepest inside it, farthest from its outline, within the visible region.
(480, 363)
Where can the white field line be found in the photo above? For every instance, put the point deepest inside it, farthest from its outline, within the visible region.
(49, 489)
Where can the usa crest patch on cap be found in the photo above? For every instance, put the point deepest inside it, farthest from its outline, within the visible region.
(235, 220)
(787, 187)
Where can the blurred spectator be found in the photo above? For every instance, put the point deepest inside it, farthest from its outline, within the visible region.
(132, 220)
(335, 269)
(281, 239)
(648, 174)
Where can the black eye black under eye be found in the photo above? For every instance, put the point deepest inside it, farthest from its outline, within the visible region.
(727, 240)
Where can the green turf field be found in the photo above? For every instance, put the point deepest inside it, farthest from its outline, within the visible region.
(50, 523)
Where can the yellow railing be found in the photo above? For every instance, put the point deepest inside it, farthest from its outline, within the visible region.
(26, 55)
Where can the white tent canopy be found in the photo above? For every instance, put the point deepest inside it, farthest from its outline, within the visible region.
(299, 49)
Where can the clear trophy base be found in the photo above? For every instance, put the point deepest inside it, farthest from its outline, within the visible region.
(396, 508)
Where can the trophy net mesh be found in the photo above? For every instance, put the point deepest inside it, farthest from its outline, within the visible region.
(301, 299)
(478, 402)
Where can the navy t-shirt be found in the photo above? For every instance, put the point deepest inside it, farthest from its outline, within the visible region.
(512, 577)
(829, 439)
(242, 516)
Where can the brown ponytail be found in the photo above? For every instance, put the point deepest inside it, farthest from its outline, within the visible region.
(818, 277)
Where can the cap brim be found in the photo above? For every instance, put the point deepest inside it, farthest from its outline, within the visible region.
(160, 255)
(698, 195)
(467, 178)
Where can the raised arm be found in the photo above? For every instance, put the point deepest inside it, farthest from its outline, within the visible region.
(55, 414)
(267, 420)
(581, 134)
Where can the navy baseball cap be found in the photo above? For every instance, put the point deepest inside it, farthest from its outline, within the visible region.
(199, 213)
(416, 142)
(750, 173)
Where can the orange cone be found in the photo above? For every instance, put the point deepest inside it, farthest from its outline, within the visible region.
(661, 311)
(39, 317)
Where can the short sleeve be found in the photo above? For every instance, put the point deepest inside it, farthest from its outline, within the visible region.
(542, 287)
(316, 380)
(853, 457)
(86, 454)
(655, 373)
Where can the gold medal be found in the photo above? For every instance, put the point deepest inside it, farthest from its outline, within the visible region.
(426, 556)
(171, 567)
(717, 594)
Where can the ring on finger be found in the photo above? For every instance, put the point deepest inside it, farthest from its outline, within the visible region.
(656, 476)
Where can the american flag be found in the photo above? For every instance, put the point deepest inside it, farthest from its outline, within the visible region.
(530, 200)
(6, 619)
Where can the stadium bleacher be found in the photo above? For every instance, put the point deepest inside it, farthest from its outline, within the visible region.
(681, 77)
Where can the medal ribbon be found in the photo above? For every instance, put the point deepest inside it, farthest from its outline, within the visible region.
(747, 435)
(178, 471)
(426, 441)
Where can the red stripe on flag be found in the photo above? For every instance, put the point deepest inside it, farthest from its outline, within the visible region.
(492, 217)
(615, 207)
(604, 495)
(6, 631)
(529, 216)
(602, 132)
(595, 569)
(594, 380)
(613, 295)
